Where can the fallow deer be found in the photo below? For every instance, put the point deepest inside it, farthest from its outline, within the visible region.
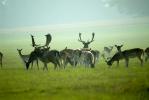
(86, 44)
(25, 58)
(126, 55)
(44, 54)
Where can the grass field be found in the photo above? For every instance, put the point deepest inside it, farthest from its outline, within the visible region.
(101, 83)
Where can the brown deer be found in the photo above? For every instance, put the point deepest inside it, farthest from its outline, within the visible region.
(147, 54)
(86, 44)
(127, 54)
(44, 54)
(1, 59)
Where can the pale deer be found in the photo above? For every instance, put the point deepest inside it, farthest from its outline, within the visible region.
(106, 54)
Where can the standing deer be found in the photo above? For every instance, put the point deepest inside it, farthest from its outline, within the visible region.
(25, 58)
(96, 54)
(86, 44)
(126, 54)
(147, 54)
(44, 54)
(68, 56)
(87, 58)
(1, 59)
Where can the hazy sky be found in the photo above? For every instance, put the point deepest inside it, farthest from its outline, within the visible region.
(113, 21)
(26, 13)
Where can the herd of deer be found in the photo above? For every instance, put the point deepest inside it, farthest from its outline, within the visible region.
(85, 56)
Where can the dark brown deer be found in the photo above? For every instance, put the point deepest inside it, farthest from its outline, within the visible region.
(1, 59)
(126, 55)
(25, 58)
(86, 44)
(147, 54)
(44, 54)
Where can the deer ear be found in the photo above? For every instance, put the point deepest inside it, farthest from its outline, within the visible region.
(121, 45)
(115, 45)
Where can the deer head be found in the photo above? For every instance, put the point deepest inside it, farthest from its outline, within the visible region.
(86, 44)
(119, 47)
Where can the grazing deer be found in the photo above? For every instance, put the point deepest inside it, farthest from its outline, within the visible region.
(44, 54)
(86, 44)
(1, 59)
(147, 54)
(107, 52)
(25, 58)
(126, 54)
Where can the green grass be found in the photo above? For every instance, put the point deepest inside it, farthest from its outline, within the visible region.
(101, 83)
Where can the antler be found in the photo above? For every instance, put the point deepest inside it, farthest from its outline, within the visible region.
(33, 41)
(93, 34)
(48, 39)
(80, 39)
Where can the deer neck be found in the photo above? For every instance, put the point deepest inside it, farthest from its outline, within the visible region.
(20, 54)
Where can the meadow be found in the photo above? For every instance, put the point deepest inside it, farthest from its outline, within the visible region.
(100, 83)
(80, 83)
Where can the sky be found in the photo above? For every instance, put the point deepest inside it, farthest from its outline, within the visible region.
(113, 21)
(36, 13)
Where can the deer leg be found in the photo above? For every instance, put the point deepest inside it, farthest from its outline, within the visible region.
(58, 63)
(139, 57)
(1, 62)
(37, 64)
(32, 65)
(55, 66)
(65, 63)
(146, 58)
(45, 66)
(127, 61)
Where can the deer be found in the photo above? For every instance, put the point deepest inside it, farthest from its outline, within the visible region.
(44, 54)
(68, 56)
(126, 55)
(87, 58)
(1, 59)
(107, 52)
(96, 55)
(25, 58)
(147, 54)
(86, 44)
